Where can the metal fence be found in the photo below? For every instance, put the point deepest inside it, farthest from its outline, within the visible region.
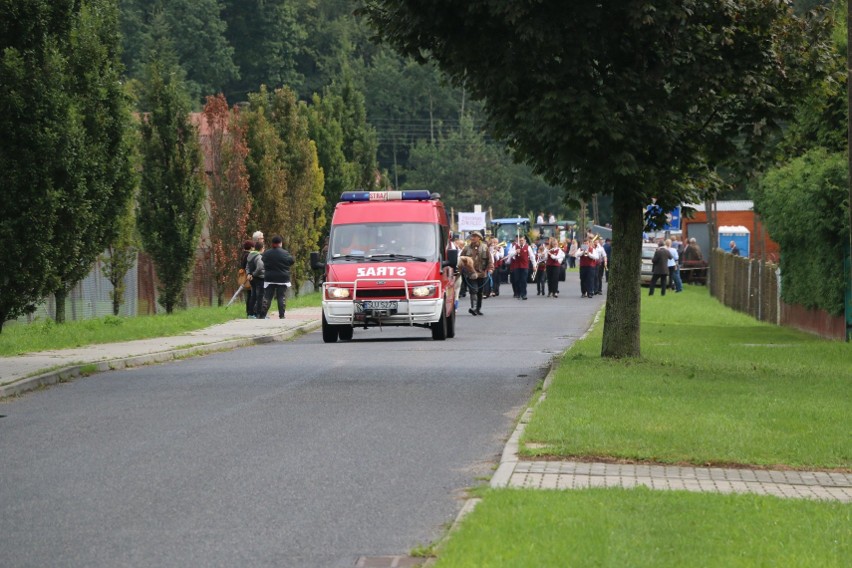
(90, 298)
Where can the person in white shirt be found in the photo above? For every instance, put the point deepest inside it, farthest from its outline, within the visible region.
(497, 254)
(600, 265)
(674, 270)
(588, 255)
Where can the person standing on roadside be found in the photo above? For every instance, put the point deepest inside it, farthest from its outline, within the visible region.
(660, 263)
(692, 252)
(277, 263)
(257, 236)
(483, 266)
(254, 269)
(247, 248)
(674, 269)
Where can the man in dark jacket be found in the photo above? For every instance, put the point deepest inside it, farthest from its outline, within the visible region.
(661, 268)
(276, 263)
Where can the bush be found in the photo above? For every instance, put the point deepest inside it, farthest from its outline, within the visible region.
(804, 207)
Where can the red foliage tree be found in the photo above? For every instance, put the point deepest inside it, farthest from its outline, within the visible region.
(228, 197)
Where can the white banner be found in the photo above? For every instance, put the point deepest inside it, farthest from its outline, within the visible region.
(471, 221)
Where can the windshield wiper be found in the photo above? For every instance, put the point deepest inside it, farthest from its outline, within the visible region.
(349, 257)
(396, 256)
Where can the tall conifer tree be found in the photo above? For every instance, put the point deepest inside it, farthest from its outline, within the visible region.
(96, 195)
(170, 213)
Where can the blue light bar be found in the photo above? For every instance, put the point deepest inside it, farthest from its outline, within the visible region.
(419, 195)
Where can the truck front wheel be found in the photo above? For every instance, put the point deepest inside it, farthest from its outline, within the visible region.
(439, 328)
(329, 332)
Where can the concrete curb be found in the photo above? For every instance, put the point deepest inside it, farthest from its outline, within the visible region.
(82, 368)
(509, 460)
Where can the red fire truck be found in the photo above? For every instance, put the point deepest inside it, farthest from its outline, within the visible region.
(388, 264)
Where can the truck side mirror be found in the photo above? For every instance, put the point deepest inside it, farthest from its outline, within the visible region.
(452, 259)
(315, 262)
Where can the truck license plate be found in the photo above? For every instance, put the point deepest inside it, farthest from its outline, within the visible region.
(380, 304)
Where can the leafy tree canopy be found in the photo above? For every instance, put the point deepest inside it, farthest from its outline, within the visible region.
(621, 97)
(195, 29)
(804, 205)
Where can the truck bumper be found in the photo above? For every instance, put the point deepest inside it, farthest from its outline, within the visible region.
(408, 313)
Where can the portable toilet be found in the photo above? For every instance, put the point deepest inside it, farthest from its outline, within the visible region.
(739, 234)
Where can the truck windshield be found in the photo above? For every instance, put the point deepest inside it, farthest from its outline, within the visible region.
(380, 241)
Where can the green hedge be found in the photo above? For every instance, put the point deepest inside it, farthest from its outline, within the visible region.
(804, 207)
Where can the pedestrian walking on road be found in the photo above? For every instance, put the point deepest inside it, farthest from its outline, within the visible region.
(483, 266)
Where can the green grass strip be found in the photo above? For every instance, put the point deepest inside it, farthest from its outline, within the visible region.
(17, 339)
(641, 527)
(713, 387)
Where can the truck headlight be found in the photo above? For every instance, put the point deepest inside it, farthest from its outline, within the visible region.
(337, 293)
(423, 291)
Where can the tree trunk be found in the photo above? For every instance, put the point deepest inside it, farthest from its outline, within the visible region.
(117, 292)
(623, 300)
(59, 297)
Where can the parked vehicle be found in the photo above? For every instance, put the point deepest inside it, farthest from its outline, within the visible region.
(648, 250)
(388, 264)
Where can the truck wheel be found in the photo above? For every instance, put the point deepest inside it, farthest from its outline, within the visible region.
(451, 324)
(345, 332)
(439, 328)
(329, 332)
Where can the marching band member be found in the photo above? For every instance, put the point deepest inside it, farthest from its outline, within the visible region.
(588, 256)
(600, 266)
(540, 270)
(520, 255)
(497, 254)
(554, 255)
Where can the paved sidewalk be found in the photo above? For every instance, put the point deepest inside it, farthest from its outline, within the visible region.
(519, 473)
(30, 371)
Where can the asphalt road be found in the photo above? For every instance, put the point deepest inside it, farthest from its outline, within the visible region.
(288, 454)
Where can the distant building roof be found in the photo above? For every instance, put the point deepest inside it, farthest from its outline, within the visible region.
(741, 205)
(734, 229)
